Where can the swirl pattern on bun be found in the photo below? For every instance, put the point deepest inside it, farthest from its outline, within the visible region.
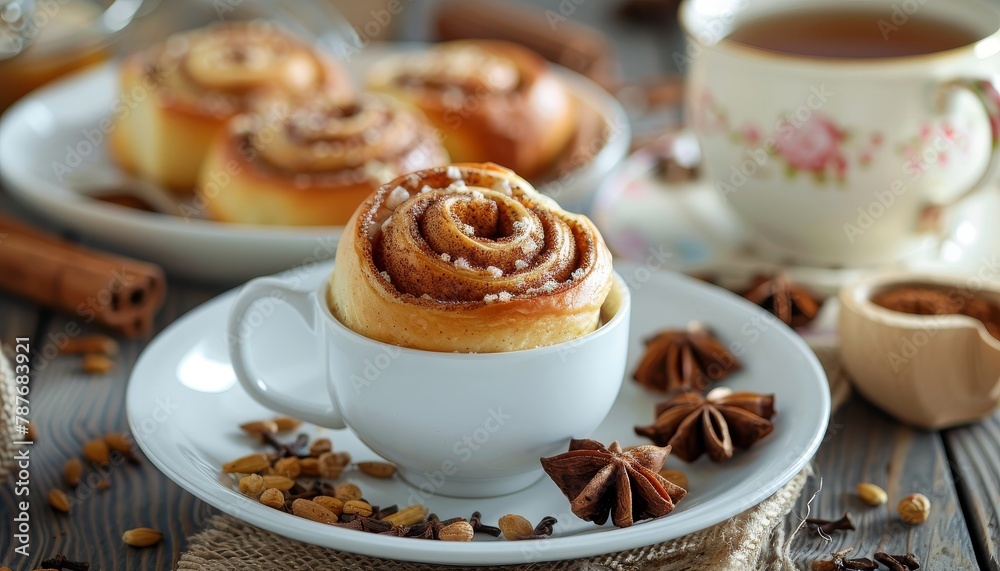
(469, 258)
(491, 101)
(313, 160)
(185, 90)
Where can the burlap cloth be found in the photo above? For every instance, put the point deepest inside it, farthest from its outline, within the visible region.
(753, 540)
(8, 402)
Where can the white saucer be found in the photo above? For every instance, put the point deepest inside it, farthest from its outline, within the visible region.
(185, 406)
(58, 125)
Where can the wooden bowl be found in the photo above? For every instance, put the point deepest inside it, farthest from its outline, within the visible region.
(930, 371)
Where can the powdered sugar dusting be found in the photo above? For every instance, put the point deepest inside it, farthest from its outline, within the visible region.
(505, 296)
(445, 257)
(386, 276)
(458, 185)
(495, 271)
(463, 264)
(490, 297)
(578, 273)
(529, 246)
(454, 172)
(468, 230)
(548, 287)
(520, 226)
(503, 185)
(426, 188)
(520, 264)
(398, 196)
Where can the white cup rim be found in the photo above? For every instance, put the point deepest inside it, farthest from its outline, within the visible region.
(624, 307)
(991, 40)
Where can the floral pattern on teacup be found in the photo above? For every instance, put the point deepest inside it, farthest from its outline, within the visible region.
(933, 145)
(818, 147)
(814, 146)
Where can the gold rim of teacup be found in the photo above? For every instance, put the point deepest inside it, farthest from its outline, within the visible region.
(725, 44)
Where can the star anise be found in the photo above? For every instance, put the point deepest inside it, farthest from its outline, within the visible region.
(692, 424)
(684, 359)
(792, 303)
(602, 481)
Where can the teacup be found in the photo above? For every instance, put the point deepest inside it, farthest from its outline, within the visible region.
(843, 161)
(456, 424)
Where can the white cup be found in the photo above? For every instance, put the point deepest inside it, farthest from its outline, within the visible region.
(839, 161)
(456, 424)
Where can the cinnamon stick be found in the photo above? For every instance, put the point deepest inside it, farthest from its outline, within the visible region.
(549, 32)
(116, 292)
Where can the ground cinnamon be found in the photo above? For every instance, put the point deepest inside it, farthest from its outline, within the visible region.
(924, 300)
(114, 291)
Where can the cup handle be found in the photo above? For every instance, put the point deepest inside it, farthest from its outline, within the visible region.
(267, 393)
(989, 98)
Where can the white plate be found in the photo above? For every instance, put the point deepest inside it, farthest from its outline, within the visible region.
(59, 124)
(184, 407)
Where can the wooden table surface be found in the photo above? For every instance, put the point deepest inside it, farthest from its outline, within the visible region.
(959, 469)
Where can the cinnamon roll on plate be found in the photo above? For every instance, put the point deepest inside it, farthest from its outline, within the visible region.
(312, 160)
(178, 96)
(491, 101)
(469, 258)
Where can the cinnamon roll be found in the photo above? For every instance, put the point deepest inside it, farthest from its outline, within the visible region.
(177, 96)
(492, 101)
(468, 258)
(312, 161)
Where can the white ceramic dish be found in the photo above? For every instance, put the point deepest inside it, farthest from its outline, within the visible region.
(61, 125)
(184, 405)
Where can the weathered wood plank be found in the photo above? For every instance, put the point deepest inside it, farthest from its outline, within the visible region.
(71, 407)
(974, 452)
(864, 445)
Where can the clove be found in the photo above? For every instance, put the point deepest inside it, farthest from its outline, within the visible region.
(283, 449)
(839, 562)
(545, 527)
(905, 562)
(478, 527)
(825, 527)
(62, 564)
